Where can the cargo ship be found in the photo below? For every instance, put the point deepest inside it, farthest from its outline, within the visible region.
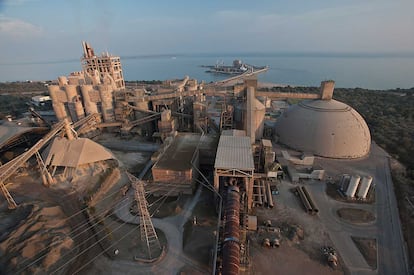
(238, 67)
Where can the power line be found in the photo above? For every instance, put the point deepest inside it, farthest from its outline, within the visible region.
(78, 245)
(97, 242)
(63, 221)
(86, 223)
(73, 237)
(94, 258)
(85, 250)
(70, 260)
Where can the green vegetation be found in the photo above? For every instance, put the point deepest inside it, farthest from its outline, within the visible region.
(390, 117)
(22, 87)
(12, 105)
(15, 96)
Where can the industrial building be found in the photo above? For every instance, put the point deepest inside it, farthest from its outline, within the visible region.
(324, 127)
(200, 127)
(101, 66)
(176, 168)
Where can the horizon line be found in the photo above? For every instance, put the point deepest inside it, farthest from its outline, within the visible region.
(294, 54)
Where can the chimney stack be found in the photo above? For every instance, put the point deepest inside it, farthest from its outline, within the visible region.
(327, 88)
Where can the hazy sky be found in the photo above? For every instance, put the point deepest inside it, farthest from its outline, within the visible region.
(44, 30)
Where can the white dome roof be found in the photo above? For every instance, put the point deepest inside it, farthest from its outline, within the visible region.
(327, 128)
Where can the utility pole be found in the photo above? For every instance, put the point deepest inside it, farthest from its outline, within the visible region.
(147, 230)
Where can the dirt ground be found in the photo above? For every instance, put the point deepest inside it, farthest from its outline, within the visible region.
(132, 246)
(332, 191)
(133, 161)
(287, 259)
(295, 255)
(368, 248)
(355, 216)
(199, 238)
(51, 235)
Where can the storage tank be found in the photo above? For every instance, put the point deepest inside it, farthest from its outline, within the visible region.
(326, 128)
(90, 106)
(344, 182)
(364, 187)
(353, 185)
(62, 80)
(105, 91)
(75, 101)
(58, 97)
(258, 115)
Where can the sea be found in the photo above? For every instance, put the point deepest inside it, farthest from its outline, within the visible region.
(347, 70)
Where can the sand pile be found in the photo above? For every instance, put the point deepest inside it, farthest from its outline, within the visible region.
(33, 239)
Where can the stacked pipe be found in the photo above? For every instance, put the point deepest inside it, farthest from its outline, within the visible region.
(231, 245)
(264, 194)
(307, 200)
(263, 187)
(258, 192)
(269, 196)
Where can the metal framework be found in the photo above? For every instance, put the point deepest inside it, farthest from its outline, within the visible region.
(9, 168)
(235, 173)
(147, 230)
(226, 119)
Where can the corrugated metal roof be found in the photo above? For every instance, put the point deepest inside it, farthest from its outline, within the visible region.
(234, 152)
(233, 132)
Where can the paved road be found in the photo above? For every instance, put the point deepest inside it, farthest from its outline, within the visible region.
(386, 229)
(392, 256)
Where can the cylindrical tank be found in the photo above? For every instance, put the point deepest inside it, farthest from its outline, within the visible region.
(58, 106)
(74, 98)
(364, 187)
(259, 115)
(352, 187)
(191, 85)
(269, 195)
(344, 182)
(105, 91)
(68, 130)
(62, 80)
(231, 246)
(90, 107)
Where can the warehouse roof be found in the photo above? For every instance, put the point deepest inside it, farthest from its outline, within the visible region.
(234, 152)
(179, 154)
(10, 132)
(233, 132)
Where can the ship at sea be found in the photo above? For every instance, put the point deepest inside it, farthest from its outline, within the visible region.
(238, 67)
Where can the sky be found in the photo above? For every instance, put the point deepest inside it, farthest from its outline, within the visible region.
(52, 30)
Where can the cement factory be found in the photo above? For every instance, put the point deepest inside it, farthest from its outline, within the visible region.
(278, 180)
